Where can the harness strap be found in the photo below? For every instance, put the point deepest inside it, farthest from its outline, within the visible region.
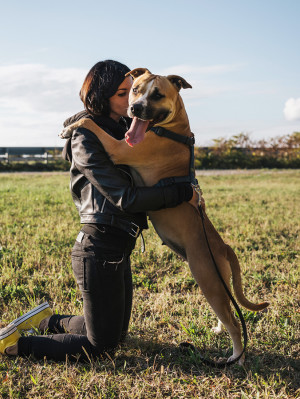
(162, 132)
(172, 180)
(189, 141)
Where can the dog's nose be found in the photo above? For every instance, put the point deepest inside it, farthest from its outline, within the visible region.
(136, 109)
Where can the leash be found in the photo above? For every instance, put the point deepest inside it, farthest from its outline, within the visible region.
(190, 141)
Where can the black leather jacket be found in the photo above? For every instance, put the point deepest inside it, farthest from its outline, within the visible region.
(104, 193)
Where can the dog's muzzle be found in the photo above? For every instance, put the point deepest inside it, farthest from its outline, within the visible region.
(136, 110)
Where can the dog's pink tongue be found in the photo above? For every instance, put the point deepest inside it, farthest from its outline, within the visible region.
(137, 131)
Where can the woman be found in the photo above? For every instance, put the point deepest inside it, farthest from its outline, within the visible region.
(112, 212)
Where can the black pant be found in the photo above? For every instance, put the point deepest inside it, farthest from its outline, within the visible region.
(101, 265)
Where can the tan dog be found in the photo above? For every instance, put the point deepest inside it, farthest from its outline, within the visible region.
(155, 100)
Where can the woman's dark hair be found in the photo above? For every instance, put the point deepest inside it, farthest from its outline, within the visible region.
(100, 84)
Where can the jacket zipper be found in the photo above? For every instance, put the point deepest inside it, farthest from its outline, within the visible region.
(102, 208)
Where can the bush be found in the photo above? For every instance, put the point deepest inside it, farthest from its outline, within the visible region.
(240, 152)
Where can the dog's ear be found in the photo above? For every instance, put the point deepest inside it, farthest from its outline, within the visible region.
(179, 82)
(135, 73)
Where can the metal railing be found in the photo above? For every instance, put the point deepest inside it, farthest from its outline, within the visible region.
(26, 154)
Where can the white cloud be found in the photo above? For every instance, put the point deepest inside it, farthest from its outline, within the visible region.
(185, 69)
(292, 109)
(35, 100)
(35, 87)
(202, 86)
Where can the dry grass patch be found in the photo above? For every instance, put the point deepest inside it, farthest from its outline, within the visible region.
(255, 213)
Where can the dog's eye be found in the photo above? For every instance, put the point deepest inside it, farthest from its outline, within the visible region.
(134, 90)
(156, 96)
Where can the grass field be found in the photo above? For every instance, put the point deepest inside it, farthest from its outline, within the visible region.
(257, 213)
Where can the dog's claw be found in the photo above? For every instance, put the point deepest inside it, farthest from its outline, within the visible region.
(65, 133)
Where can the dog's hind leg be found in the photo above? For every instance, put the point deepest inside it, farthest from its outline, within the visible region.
(233, 327)
(222, 308)
(210, 284)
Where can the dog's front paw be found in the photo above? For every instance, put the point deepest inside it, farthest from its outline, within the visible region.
(218, 329)
(65, 133)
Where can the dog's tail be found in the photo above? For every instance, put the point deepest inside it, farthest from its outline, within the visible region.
(237, 283)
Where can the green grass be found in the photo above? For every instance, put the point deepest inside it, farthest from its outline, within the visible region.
(257, 213)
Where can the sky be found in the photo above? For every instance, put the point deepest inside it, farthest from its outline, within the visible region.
(241, 57)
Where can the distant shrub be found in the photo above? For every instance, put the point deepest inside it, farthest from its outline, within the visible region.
(240, 152)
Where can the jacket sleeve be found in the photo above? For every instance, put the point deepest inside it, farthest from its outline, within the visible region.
(94, 163)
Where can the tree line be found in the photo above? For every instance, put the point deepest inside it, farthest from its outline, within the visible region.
(240, 151)
(237, 152)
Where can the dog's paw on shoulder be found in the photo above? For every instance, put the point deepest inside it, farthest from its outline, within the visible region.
(65, 133)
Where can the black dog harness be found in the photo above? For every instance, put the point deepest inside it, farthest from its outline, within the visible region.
(179, 138)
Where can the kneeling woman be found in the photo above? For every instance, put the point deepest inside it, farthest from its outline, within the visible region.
(112, 213)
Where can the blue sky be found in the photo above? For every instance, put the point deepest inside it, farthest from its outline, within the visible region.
(241, 57)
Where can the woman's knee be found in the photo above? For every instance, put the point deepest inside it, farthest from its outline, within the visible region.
(104, 351)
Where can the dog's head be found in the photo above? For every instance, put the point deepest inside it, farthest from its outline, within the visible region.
(152, 101)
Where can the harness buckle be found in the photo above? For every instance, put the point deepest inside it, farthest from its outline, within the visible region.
(135, 230)
(198, 190)
(192, 140)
